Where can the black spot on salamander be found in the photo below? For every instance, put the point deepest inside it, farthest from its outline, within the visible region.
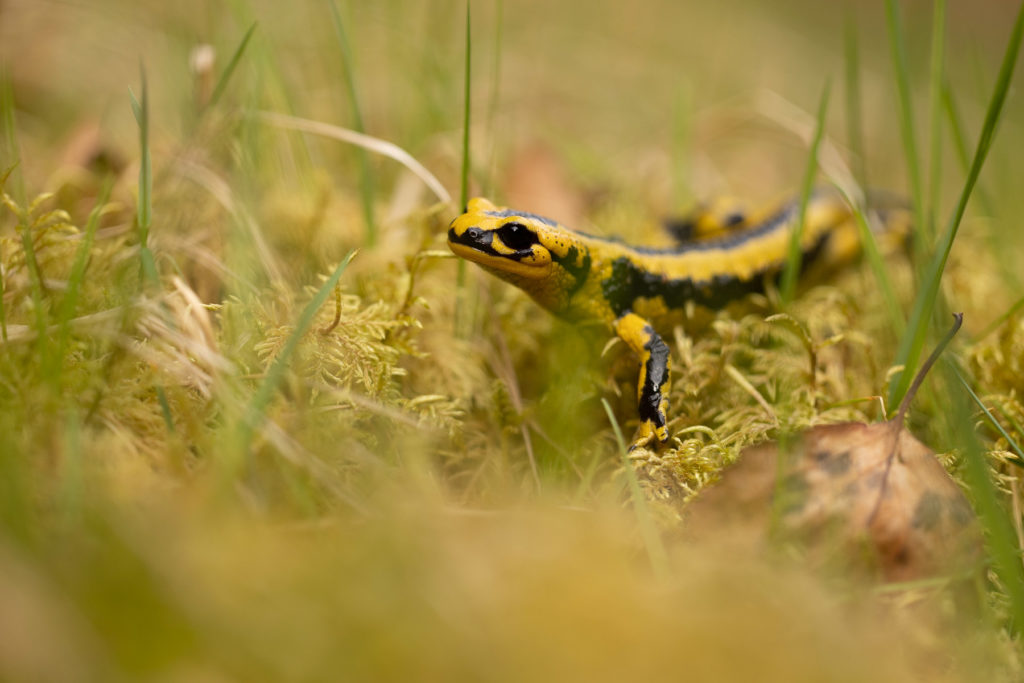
(576, 265)
(928, 512)
(629, 281)
(874, 480)
(655, 376)
(833, 464)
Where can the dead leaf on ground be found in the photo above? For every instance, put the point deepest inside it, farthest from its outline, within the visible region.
(871, 494)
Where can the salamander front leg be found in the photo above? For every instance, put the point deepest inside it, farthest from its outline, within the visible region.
(653, 387)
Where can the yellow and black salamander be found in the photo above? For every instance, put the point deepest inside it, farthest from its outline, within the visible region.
(638, 291)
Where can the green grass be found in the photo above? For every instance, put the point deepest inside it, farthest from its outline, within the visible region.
(652, 540)
(935, 85)
(463, 301)
(898, 49)
(69, 303)
(260, 400)
(790, 274)
(144, 213)
(229, 70)
(924, 304)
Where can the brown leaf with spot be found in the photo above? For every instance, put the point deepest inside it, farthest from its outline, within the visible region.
(869, 494)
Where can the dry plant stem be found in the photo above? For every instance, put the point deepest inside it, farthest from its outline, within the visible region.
(382, 147)
(337, 312)
(1018, 527)
(745, 384)
(414, 264)
(896, 424)
(923, 372)
(506, 370)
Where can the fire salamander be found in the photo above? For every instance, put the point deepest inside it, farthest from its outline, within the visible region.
(636, 291)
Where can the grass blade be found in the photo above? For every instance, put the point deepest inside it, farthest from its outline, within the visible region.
(461, 295)
(655, 548)
(366, 177)
(854, 121)
(1019, 460)
(1006, 315)
(793, 260)
(960, 145)
(935, 114)
(12, 155)
(1000, 539)
(1004, 257)
(464, 172)
(144, 212)
(899, 59)
(917, 327)
(10, 161)
(69, 303)
(382, 147)
(874, 258)
(492, 109)
(222, 82)
(275, 373)
(24, 227)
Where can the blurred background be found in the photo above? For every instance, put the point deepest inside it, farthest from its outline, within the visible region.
(423, 503)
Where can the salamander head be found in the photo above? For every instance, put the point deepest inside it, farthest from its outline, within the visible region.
(548, 261)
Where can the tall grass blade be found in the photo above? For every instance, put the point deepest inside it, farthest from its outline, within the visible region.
(935, 115)
(961, 146)
(492, 109)
(793, 260)
(874, 258)
(10, 163)
(854, 120)
(1011, 442)
(461, 298)
(144, 212)
(655, 548)
(69, 303)
(464, 172)
(366, 176)
(1006, 315)
(35, 276)
(11, 158)
(24, 227)
(1000, 539)
(72, 485)
(222, 82)
(382, 147)
(1004, 257)
(913, 340)
(898, 51)
(275, 373)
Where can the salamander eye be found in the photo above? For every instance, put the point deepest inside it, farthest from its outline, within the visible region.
(517, 236)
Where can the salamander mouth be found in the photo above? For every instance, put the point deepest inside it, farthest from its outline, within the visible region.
(473, 239)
